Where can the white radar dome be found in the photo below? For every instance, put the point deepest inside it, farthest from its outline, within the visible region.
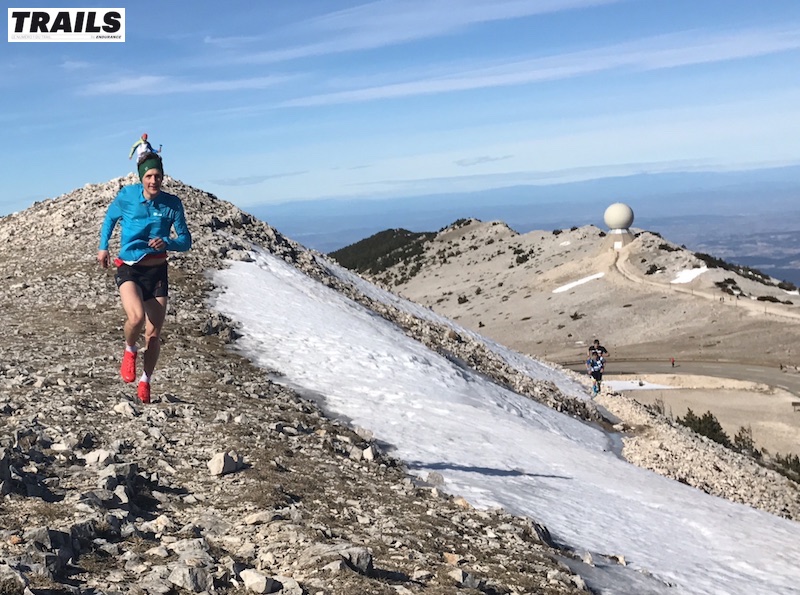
(618, 216)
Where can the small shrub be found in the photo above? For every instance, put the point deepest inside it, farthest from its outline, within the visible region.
(462, 299)
(557, 232)
(788, 466)
(744, 443)
(707, 425)
(660, 407)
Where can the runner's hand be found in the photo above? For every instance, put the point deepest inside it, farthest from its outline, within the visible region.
(157, 244)
(103, 258)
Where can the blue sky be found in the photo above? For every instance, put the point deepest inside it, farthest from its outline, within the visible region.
(268, 102)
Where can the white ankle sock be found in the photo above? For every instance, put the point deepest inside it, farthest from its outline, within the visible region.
(145, 378)
(132, 348)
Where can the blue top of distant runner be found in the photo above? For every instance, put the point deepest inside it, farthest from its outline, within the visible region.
(595, 365)
(143, 220)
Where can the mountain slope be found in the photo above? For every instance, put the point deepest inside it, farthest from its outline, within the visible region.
(642, 305)
(104, 495)
(382, 250)
(108, 495)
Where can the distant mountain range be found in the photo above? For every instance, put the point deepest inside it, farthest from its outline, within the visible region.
(748, 217)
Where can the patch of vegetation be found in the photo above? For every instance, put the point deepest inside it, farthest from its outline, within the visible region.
(654, 233)
(573, 228)
(602, 234)
(707, 426)
(743, 443)
(462, 299)
(667, 248)
(788, 466)
(459, 223)
(557, 232)
(383, 250)
(729, 286)
(577, 315)
(652, 269)
(747, 272)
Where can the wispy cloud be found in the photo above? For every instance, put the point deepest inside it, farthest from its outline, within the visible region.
(480, 160)
(233, 41)
(391, 22)
(160, 85)
(253, 180)
(74, 65)
(668, 51)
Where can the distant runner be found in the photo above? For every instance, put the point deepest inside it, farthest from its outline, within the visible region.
(147, 217)
(595, 367)
(601, 351)
(141, 147)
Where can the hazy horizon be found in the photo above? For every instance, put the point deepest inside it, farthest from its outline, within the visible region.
(750, 219)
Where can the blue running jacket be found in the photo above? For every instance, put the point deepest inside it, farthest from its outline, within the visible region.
(143, 220)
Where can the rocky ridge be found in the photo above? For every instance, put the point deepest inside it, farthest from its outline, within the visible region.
(230, 483)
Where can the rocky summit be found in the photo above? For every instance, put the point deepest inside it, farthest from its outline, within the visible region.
(228, 482)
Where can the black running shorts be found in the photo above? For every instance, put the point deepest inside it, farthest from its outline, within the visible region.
(152, 280)
(597, 375)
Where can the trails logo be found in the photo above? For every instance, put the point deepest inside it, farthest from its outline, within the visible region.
(66, 24)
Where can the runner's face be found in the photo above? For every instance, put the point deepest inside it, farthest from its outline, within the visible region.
(152, 183)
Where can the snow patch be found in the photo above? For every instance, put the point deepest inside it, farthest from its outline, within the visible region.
(569, 286)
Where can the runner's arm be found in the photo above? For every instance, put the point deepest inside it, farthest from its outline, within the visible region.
(183, 241)
(133, 148)
(113, 214)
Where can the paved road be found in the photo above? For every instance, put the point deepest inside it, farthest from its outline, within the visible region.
(763, 374)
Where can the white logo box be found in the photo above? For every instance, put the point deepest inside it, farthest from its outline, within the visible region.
(88, 25)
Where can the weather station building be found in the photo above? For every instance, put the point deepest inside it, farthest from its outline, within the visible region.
(619, 218)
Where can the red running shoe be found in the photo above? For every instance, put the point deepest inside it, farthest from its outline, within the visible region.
(128, 368)
(144, 392)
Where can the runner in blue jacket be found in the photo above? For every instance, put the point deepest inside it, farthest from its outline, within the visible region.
(595, 367)
(147, 216)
